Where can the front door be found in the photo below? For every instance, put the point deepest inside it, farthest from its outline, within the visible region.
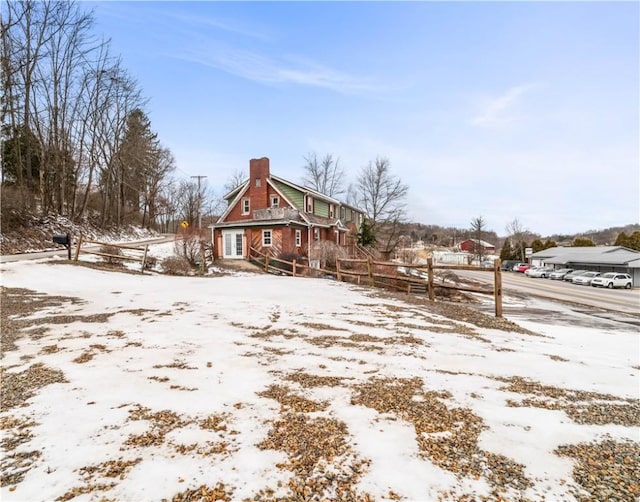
(232, 244)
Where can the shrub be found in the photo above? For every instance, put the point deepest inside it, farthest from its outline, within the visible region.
(176, 265)
(190, 247)
(150, 263)
(114, 251)
(288, 257)
(327, 252)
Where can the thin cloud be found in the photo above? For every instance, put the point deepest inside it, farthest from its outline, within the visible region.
(255, 67)
(221, 24)
(500, 110)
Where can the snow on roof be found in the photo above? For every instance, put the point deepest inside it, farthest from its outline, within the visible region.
(606, 255)
(484, 244)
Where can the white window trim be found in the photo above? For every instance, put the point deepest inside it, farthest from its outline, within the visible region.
(298, 238)
(248, 203)
(275, 201)
(264, 244)
(331, 211)
(309, 205)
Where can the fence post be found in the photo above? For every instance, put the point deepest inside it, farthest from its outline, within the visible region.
(144, 258)
(202, 258)
(370, 271)
(293, 268)
(75, 258)
(432, 293)
(338, 274)
(497, 286)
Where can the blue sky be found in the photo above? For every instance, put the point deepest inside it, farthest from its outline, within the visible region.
(500, 109)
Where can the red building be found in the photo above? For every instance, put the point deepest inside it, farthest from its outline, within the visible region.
(471, 246)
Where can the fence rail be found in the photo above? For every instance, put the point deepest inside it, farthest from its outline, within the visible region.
(142, 259)
(386, 274)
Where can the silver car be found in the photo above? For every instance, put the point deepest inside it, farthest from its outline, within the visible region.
(586, 278)
(543, 272)
(559, 274)
(569, 277)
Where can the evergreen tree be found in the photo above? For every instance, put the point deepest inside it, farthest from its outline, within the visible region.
(14, 162)
(537, 245)
(622, 240)
(366, 236)
(582, 242)
(507, 252)
(550, 243)
(629, 241)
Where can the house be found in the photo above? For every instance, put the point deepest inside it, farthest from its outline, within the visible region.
(277, 217)
(596, 258)
(470, 246)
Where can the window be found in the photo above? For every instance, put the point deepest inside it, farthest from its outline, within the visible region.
(266, 237)
(316, 234)
(246, 206)
(309, 204)
(331, 212)
(275, 201)
(342, 213)
(298, 238)
(258, 182)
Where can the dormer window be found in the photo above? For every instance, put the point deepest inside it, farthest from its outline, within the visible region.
(246, 206)
(275, 201)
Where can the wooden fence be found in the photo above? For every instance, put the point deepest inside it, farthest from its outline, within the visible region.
(139, 250)
(385, 274)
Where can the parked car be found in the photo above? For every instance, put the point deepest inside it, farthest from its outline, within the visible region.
(612, 280)
(559, 274)
(517, 265)
(542, 272)
(585, 279)
(522, 267)
(569, 277)
(508, 265)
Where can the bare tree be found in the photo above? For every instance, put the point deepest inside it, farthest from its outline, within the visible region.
(478, 228)
(383, 198)
(326, 176)
(236, 179)
(518, 235)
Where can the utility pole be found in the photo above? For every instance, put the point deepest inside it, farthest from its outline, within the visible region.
(199, 201)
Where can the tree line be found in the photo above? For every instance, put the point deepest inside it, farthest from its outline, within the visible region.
(76, 139)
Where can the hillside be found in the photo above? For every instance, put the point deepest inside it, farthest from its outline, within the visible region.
(35, 233)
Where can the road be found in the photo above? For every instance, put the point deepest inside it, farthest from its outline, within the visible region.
(63, 252)
(619, 300)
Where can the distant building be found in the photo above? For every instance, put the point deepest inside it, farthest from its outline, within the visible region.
(471, 246)
(596, 258)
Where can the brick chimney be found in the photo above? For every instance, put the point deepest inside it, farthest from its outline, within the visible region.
(258, 176)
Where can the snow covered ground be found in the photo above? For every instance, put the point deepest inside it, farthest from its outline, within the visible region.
(247, 385)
